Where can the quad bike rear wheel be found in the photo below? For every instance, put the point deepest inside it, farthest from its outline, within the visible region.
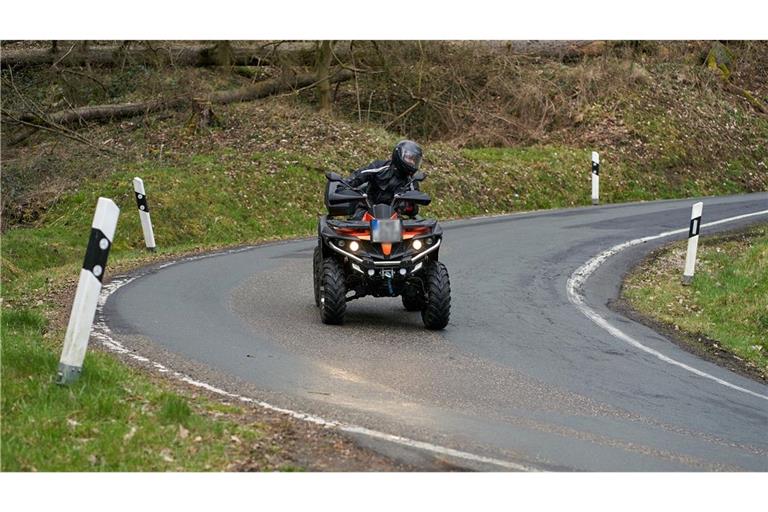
(333, 291)
(437, 303)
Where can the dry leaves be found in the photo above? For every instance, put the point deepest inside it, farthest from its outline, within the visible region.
(165, 454)
(129, 435)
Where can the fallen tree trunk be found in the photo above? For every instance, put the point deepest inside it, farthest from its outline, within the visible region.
(261, 89)
(198, 56)
(755, 102)
(106, 113)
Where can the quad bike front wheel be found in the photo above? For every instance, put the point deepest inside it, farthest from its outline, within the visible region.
(437, 303)
(413, 299)
(317, 262)
(333, 291)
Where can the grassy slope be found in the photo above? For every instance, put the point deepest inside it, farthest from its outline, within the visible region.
(114, 419)
(728, 300)
(257, 176)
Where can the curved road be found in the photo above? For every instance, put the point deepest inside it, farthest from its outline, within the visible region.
(519, 374)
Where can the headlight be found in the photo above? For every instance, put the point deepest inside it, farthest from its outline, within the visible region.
(417, 245)
(354, 246)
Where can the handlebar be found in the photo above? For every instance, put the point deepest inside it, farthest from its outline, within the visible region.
(397, 196)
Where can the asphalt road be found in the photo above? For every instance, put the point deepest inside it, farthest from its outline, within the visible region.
(519, 374)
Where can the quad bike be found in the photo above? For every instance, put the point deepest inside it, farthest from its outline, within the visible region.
(384, 255)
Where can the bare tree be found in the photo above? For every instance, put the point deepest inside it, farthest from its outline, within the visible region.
(222, 54)
(324, 55)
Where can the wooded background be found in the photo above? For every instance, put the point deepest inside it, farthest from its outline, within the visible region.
(429, 89)
(673, 107)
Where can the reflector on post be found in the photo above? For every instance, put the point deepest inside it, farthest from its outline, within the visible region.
(693, 242)
(595, 178)
(88, 289)
(143, 205)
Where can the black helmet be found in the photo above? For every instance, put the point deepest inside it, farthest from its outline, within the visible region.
(406, 157)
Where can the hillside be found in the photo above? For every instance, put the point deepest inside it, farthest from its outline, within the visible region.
(664, 124)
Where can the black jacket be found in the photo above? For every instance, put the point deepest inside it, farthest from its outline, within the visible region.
(383, 183)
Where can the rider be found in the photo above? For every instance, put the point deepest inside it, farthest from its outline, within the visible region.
(387, 177)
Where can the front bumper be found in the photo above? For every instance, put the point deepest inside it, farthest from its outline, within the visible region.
(364, 265)
(393, 270)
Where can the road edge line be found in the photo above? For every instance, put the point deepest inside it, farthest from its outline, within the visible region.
(579, 277)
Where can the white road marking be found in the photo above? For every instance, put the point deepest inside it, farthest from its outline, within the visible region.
(103, 333)
(580, 275)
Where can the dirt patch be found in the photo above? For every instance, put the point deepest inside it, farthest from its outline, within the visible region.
(288, 444)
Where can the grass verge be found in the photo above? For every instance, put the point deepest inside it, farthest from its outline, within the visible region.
(725, 308)
(112, 419)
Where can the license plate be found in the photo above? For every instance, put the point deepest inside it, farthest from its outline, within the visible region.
(386, 230)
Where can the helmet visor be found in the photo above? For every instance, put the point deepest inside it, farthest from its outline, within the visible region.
(412, 160)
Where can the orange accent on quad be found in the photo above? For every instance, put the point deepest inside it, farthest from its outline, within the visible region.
(361, 234)
(407, 235)
(364, 234)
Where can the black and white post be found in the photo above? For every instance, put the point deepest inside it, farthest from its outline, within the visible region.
(693, 242)
(88, 289)
(595, 178)
(146, 221)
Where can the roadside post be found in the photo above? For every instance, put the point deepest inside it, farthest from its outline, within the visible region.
(88, 289)
(595, 178)
(146, 221)
(693, 243)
